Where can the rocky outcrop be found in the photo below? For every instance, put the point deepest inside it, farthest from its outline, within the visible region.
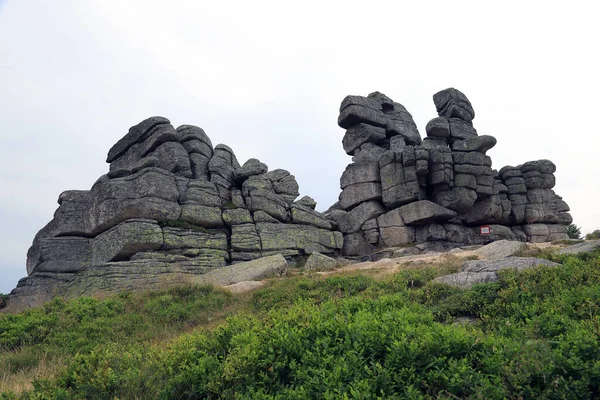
(400, 189)
(483, 271)
(171, 206)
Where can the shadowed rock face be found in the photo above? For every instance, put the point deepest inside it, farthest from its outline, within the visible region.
(170, 207)
(400, 189)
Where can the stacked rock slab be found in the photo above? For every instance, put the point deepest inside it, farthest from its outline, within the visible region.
(400, 189)
(170, 204)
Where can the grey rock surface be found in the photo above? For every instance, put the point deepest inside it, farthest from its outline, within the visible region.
(361, 133)
(250, 168)
(484, 271)
(360, 173)
(438, 128)
(306, 202)
(449, 168)
(518, 263)
(466, 280)
(424, 212)
(319, 262)
(124, 240)
(354, 219)
(500, 249)
(136, 134)
(284, 184)
(204, 211)
(261, 268)
(170, 209)
(452, 103)
(357, 193)
(481, 144)
(585, 247)
(300, 238)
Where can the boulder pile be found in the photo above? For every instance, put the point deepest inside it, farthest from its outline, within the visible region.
(400, 189)
(171, 203)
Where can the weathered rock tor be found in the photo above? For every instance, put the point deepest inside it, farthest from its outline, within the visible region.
(400, 189)
(172, 205)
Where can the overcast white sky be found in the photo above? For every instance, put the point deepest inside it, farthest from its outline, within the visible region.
(267, 78)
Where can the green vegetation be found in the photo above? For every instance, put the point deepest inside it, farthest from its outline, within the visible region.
(594, 235)
(3, 298)
(533, 334)
(574, 231)
(230, 205)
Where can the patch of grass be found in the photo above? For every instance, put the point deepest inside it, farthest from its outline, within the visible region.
(536, 335)
(62, 329)
(229, 205)
(3, 300)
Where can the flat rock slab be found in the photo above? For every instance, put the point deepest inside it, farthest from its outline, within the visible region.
(320, 262)
(484, 271)
(500, 249)
(424, 212)
(585, 247)
(244, 286)
(465, 280)
(518, 263)
(246, 271)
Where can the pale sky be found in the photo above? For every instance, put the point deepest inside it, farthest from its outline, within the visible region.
(267, 78)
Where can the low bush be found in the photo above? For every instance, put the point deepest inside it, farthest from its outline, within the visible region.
(573, 231)
(3, 300)
(594, 235)
(536, 334)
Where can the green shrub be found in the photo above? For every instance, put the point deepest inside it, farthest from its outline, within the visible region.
(537, 335)
(573, 231)
(593, 236)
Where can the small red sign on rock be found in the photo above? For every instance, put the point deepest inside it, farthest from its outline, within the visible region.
(485, 230)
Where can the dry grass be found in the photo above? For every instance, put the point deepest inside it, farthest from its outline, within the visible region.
(18, 381)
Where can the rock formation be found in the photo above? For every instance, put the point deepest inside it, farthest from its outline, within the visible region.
(171, 204)
(400, 189)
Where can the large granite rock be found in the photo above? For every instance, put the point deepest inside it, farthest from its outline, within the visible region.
(449, 169)
(171, 209)
(150, 193)
(126, 239)
(424, 212)
(319, 262)
(298, 239)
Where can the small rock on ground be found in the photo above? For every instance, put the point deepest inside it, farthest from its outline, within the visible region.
(500, 249)
(319, 262)
(244, 286)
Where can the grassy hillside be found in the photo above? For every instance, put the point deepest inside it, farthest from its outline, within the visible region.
(534, 334)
